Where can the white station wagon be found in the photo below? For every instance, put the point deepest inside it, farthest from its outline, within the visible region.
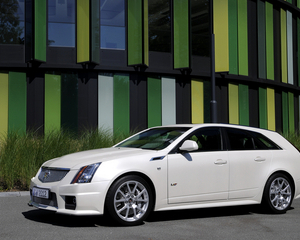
(172, 167)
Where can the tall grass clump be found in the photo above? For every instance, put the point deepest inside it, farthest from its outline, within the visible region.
(293, 137)
(21, 155)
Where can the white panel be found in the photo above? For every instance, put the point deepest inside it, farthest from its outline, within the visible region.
(289, 21)
(105, 102)
(168, 91)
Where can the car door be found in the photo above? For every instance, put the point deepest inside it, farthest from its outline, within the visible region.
(201, 175)
(249, 164)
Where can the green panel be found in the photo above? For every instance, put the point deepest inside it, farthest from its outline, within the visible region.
(244, 104)
(291, 112)
(83, 31)
(261, 40)
(269, 41)
(154, 102)
(52, 102)
(69, 102)
(121, 104)
(285, 112)
(135, 32)
(40, 32)
(290, 1)
(181, 34)
(283, 46)
(271, 109)
(233, 36)
(95, 33)
(263, 111)
(146, 34)
(233, 99)
(3, 104)
(17, 102)
(243, 37)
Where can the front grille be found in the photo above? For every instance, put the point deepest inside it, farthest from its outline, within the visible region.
(52, 174)
(52, 201)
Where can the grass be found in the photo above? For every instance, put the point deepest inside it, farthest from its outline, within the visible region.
(21, 155)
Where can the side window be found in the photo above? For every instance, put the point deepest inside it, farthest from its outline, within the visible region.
(261, 142)
(239, 139)
(208, 139)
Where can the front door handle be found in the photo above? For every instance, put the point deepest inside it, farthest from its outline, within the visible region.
(220, 162)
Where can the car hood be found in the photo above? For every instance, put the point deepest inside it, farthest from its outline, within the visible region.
(77, 160)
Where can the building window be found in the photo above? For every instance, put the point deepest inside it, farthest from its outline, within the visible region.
(159, 26)
(12, 17)
(61, 23)
(112, 21)
(200, 27)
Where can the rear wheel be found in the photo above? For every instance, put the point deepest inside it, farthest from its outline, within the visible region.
(129, 200)
(278, 193)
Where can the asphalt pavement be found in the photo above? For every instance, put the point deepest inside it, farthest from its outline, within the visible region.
(19, 221)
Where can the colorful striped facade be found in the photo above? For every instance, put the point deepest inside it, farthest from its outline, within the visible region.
(257, 65)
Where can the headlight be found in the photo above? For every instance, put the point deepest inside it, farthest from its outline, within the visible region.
(86, 173)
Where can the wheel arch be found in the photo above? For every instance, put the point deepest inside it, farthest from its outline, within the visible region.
(287, 174)
(142, 175)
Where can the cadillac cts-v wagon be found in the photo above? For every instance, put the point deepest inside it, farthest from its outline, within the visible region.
(172, 167)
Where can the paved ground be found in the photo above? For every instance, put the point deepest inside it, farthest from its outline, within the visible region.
(19, 221)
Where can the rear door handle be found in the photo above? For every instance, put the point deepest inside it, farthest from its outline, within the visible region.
(259, 159)
(220, 162)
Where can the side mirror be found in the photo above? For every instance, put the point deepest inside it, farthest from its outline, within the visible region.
(188, 146)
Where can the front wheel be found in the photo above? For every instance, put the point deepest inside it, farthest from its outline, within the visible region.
(129, 200)
(278, 193)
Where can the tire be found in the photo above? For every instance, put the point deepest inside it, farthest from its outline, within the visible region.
(278, 193)
(129, 200)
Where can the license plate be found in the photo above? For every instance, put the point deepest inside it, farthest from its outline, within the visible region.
(40, 193)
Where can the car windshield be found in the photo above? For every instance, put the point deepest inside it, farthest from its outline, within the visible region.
(155, 138)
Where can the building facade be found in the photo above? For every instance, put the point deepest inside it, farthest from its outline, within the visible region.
(125, 65)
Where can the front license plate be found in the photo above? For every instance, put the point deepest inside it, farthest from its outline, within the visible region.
(40, 193)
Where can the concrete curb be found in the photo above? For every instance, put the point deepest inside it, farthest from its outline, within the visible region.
(14, 194)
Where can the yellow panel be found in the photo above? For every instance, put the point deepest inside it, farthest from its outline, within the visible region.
(3, 104)
(221, 35)
(83, 31)
(233, 99)
(197, 102)
(271, 108)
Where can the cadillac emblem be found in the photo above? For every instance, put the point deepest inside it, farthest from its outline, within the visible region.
(46, 175)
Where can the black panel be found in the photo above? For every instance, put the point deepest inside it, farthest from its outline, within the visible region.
(252, 39)
(278, 110)
(61, 56)
(183, 99)
(138, 102)
(28, 30)
(222, 101)
(87, 101)
(12, 54)
(69, 102)
(253, 107)
(35, 102)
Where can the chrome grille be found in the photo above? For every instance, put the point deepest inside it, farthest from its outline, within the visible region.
(52, 174)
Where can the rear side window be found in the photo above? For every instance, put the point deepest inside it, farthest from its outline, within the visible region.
(247, 140)
(262, 142)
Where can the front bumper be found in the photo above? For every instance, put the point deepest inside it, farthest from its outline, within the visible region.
(73, 199)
